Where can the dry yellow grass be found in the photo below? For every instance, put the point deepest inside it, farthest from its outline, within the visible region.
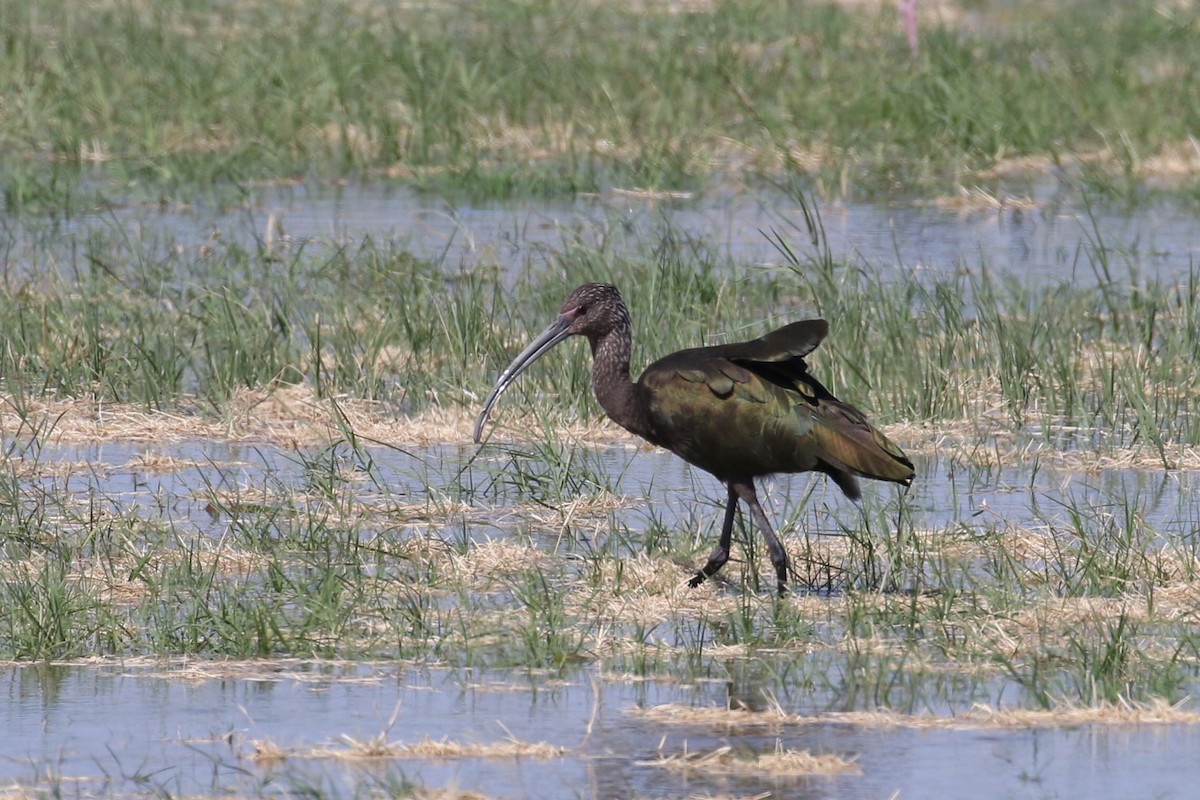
(266, 752)
(1013, 167)
(1170, 163)
(302, 671)
(491, 559)
(725, 718)
(781, 763)
(379, 747)
(1174, 161)
(991, 440)
(977, 717)
(292, 416)
(975, 198)
(161, 463)
(284, 414)
(447, 793)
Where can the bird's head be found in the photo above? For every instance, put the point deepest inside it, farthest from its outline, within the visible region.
(594, 309)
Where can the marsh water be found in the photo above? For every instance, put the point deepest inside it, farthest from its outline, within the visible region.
(109, 474)
(80, 730)
(189, 727)
(1043, 245)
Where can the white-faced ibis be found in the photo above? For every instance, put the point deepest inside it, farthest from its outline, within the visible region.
(739, 411)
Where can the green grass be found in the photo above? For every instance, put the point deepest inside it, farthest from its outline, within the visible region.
(154, 102)
(130, 318)
(1084, 602)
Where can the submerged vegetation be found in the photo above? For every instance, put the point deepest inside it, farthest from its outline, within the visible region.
(111, 101)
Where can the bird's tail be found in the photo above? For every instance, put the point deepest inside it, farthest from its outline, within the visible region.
(850, 446)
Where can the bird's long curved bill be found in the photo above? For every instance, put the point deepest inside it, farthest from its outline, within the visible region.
(554, 333)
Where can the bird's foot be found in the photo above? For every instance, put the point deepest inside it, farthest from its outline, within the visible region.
(716, 560)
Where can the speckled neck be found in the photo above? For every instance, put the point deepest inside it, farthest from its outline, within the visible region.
(617, 394)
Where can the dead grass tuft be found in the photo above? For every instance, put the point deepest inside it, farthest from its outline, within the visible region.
(283, 414)
(292, 416)
(448, 793)
(647, 590)
(273, 670)
(160, 463)
(976, 198)
(1127, 714)
(782, 763)
(1157, 712)
(991, 440)
(496, 557)
(378, 747)
(650, 194)
(1016, 167)
(264, 751)
(509, 748)
(1172, 163)
(1175, 161)
(710, 716)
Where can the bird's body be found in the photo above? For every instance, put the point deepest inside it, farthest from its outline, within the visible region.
(752, 409)
(739, 411)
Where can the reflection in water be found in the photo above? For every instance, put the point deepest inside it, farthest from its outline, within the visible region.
(133, 730)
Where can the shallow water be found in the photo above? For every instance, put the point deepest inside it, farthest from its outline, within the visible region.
(135, 730)
(944, 494)
(1041, 246)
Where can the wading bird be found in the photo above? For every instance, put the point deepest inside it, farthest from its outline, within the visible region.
(739, 411)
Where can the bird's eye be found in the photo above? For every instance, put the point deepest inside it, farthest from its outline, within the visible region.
(582, 310)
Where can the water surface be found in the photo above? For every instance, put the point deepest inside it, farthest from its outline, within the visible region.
(138, 728)
(1046, 245)
(166, 729)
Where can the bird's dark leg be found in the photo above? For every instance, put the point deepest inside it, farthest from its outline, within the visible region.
(745, 490)
(720, 553)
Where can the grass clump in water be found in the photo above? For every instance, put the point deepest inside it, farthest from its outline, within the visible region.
(328, 557)
(1086, 608)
